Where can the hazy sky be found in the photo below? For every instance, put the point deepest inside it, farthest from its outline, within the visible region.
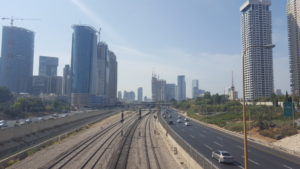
(197, 38)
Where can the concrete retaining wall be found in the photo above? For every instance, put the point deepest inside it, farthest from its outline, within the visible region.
(180, 155)
(17, 132)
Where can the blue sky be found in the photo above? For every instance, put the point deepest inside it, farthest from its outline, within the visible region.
(197, 38)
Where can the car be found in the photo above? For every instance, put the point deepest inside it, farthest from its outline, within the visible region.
(179, 116)
(19, 122)
(187, 124)
(28, 121)
(3, 123)
(170, 122)
(178, 121)
(222, 156)
(186, 119)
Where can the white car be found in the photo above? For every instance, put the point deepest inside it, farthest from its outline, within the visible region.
(222, 156)
(187, 124)
(178, 121)
(3, 123)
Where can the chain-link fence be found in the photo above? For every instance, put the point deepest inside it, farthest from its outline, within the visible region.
(197, 156)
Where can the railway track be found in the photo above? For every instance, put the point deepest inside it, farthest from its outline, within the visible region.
(110, 147)
(70, 156)
(150, 132)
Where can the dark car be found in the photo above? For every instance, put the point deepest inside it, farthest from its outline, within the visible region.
(171, 122)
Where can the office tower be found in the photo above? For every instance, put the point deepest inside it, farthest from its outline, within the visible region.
(47, 85)
(129, 96)
(84, 50)
(181, 87)
(293, 11)
(158, 89)
(112, 77)
(195, 88)
(48, 66)
(102, 60)
(170, 91)
(119, 95)
(17, 59)
(67, 80)
(140, 94)
(258, 60)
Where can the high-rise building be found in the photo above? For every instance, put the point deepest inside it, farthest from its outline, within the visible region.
(17, 58)
(48, 66)
(84, 53)
(67, 80)
(170, 91)
(120, 95)
(158, 89)
(140, 94)
(195, 88)
(112, 77)
(256, 25)
(129, 96)
(47, 85)
(102, 60)
(181, 87)
(293, 11)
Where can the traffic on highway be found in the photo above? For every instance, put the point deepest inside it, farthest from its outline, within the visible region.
(213, 143)
(20, 122)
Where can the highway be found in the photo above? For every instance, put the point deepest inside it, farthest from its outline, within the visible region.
(205, 140)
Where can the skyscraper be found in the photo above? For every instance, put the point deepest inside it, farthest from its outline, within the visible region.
(170, 91)
(48, 66)
(16, 58)
(256, 25)
(112, 77)
(67, 80)
(102, 61)
(158, 89)
(195, 88)
(181, 87)
(84, 52)
(293, 11)
(140, 94)
(119, 95)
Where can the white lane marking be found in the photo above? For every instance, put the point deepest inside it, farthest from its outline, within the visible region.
(219, 138)
(253, 161)
(192, 136)
(218, 144)
(241, 166)
(207, 146)
(201, 135)
(285, 166)
(240, 147)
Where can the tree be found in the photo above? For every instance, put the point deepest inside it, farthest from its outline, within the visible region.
(5, 95)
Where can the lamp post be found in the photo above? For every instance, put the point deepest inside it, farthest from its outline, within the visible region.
(269, 46)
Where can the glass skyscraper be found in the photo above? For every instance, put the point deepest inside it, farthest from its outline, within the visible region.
(16, 58)
(84, 45)
(84, 52)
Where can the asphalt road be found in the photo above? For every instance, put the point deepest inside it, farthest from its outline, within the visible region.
(206, 140)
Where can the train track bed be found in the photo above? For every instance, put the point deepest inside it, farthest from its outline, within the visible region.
(50, 153)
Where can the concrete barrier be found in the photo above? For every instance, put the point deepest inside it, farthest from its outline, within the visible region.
(7, 134)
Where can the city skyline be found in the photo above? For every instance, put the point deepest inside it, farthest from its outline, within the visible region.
(147, 56)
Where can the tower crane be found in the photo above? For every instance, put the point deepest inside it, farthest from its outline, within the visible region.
(12, 19)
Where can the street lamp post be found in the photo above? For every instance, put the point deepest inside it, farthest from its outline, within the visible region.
(269, 46)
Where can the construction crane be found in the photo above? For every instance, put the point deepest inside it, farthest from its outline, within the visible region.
(12, 19)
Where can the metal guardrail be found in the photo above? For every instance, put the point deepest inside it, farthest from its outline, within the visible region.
(197, 156)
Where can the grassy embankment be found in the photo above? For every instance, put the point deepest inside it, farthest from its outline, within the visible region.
(268, 121)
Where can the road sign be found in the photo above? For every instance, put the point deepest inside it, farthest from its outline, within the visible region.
(288, 109)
